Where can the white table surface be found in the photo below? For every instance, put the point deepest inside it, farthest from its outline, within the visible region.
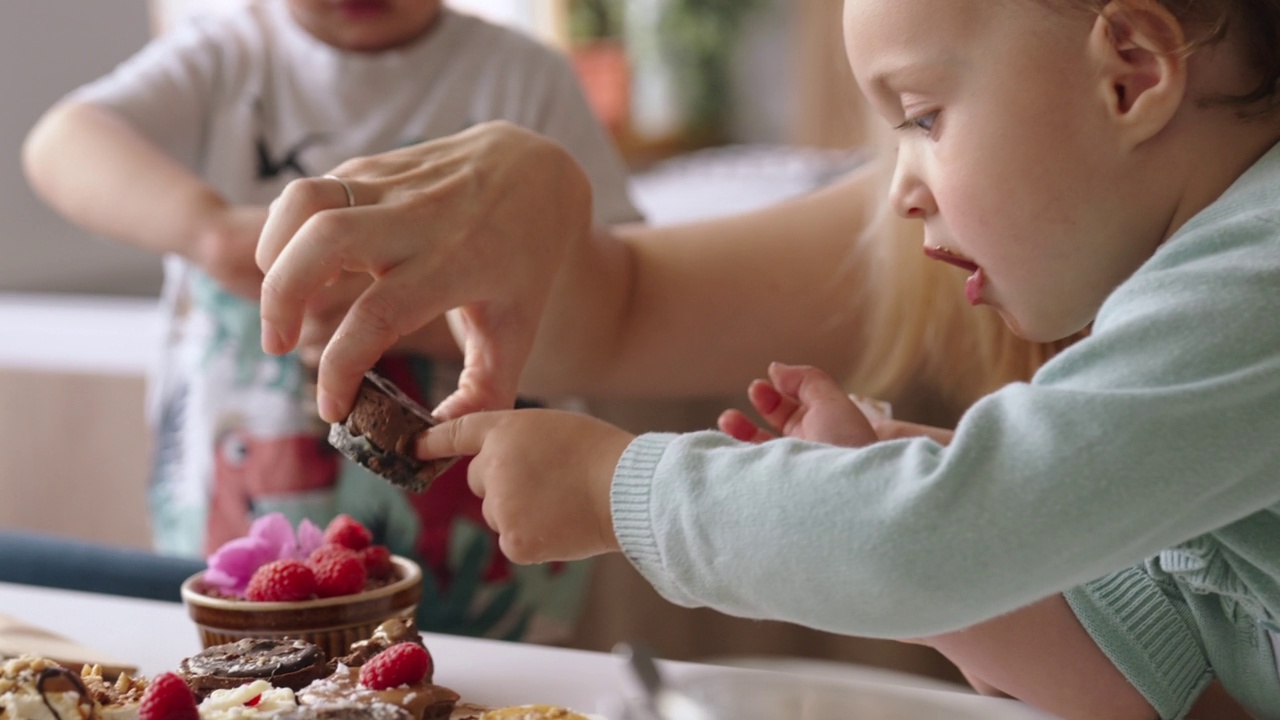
(155, 636)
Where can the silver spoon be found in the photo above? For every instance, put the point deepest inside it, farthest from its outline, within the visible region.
(665, 703)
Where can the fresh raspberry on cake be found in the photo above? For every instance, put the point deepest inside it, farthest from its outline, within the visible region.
(347, 531)
(404, 663)
(168, 698)
(337, 572)
(377, 562)
(327, 551)
(282, 581)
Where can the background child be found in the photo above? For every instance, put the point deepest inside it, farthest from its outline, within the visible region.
(181, 149)
(1111, 163)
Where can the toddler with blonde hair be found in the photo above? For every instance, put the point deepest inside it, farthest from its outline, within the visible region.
(1100, 541)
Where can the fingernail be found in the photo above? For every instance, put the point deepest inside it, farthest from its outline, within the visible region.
(271, 340)
(770, 398)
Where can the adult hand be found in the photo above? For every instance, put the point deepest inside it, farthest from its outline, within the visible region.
(544, 477)
(225, 245)
(478, 221)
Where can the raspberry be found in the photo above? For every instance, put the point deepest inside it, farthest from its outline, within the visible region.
(168, 698)
(377, 562)
(347, 531)
(338, 571)
(326, 551)
(282, 581)
(401, 664)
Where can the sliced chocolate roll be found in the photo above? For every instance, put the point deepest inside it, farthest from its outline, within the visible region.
(381, 431)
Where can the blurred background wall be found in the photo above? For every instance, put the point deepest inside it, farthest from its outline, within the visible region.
(48, 47)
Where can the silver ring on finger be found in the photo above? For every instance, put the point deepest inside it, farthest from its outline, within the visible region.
(351, 196)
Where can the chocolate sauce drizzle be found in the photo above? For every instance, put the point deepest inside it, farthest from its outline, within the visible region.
(67, 675)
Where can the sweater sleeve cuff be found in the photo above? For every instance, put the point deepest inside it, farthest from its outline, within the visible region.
(1150, 641)
(631, 501)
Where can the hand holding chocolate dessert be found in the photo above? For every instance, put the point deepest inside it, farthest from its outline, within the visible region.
(381, 431)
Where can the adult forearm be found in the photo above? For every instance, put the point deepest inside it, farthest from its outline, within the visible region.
(90, 165)
(703, 308)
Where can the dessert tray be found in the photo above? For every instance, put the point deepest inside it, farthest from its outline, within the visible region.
(385, 677)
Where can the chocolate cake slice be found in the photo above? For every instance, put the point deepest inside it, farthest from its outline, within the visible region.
(381, 431)
(283, 663)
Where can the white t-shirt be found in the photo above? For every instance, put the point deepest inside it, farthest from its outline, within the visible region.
(248, 100)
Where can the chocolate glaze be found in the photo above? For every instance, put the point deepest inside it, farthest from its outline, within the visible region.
(423, 700)
(396, 630)
(283, 663)
(380, 433)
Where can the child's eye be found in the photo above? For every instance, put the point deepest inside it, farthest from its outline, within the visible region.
(923, 123)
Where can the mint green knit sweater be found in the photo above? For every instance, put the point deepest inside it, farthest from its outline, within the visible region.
(1153, 445)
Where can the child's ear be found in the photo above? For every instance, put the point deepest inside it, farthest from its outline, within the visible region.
(1138, 45)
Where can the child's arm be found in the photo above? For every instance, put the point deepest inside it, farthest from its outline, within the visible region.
(90, 165)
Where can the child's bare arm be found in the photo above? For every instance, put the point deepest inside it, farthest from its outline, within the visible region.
(90, 164)
(1041, 655)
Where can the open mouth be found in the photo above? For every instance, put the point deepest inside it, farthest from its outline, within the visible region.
(362, 9)
(977, 279)
(949, 257)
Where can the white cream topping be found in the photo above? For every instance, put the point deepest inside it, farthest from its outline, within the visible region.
(230, 704)
(29, 705)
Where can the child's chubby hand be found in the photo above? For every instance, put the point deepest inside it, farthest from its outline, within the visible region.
(805, 403)
(544, 477)
(225, 245)
(802, 402)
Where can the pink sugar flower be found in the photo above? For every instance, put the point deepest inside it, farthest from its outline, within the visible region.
(270, 538)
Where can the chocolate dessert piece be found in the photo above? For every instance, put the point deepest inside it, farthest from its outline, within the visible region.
(284, 663)
(423, 701)
(380, 433)
(395, 630)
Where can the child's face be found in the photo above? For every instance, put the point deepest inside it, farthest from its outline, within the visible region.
(1009, 153)
(365, 25)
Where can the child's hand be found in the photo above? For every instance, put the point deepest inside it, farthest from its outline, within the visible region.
(800, 402)
(226, 246)
(544, 476)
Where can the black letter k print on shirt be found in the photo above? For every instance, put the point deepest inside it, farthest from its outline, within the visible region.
(269, 167)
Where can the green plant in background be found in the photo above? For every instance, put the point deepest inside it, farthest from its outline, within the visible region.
(595, 19)
(700, 38)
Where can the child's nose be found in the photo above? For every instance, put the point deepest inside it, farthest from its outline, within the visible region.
(908, 194)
